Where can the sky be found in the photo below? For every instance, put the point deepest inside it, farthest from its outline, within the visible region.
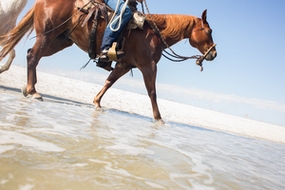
(247, 79)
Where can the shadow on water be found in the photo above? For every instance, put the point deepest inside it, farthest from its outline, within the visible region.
(59, 100)
(46, 97)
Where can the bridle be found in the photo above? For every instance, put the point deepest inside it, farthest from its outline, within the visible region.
(179, 58)
(174, 56)
(202, 57)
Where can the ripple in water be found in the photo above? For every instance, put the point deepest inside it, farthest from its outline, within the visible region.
(60, 144)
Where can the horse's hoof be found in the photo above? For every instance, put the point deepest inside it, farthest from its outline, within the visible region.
(37, 96)
(160, 122)
(24, 91)
(97, 107)
(96, 103)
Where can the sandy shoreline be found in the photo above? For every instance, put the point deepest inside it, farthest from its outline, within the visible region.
(62, 87)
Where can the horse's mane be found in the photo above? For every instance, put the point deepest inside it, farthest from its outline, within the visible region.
(173, 26)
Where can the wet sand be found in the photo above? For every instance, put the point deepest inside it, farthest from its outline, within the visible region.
(79, 91)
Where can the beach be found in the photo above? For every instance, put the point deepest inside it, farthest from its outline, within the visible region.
(134, 103)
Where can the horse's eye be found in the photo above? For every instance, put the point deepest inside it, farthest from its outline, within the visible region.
(210, 31)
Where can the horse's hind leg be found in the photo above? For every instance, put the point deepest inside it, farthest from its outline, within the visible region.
(7, 65)
(33, 57)
(149, 75)
(118, 71)
(42, 48)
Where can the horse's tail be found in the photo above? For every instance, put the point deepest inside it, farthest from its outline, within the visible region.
(11, 39)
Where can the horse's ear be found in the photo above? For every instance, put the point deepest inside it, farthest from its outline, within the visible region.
(204, 15)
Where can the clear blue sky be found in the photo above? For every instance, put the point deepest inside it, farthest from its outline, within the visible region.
(246, 79)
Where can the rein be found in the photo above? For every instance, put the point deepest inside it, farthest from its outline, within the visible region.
(174, 56)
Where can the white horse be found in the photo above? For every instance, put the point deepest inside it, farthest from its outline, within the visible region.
(9, 12)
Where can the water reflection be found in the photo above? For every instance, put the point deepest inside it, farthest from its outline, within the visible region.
(59, 144)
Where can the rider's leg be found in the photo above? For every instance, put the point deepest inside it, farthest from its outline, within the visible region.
(109, 35)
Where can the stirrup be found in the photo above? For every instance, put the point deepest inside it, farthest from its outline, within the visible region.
(113, 54)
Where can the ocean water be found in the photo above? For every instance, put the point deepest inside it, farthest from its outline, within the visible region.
(61, 144)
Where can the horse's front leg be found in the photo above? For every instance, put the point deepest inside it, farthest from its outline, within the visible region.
(118, 71)
(149, 75)
(7, 65)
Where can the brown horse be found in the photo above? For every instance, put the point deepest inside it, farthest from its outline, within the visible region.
(58, 25)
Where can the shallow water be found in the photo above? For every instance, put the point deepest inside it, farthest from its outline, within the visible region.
(60, 144)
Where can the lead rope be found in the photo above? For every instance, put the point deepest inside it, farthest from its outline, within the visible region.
(114, 20)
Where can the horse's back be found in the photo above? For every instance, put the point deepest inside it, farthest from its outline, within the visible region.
(53, 12)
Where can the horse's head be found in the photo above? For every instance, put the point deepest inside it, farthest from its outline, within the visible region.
(201, 38)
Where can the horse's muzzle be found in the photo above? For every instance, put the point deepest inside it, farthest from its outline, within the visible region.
(211, 54)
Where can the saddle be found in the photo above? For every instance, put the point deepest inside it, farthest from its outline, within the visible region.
(94, 9)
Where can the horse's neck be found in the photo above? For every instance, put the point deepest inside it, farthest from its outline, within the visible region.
(174, 28)
(10, 6)
(9, 12)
